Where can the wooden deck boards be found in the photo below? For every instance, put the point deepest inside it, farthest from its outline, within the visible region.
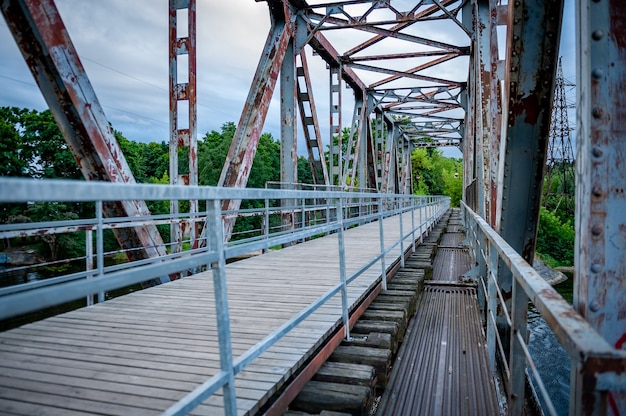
(140, 353)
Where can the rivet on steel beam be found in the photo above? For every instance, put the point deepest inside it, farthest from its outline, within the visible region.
(517, 4)
(597, 73)
(594, 306)
(515, 37)
(596, 191)
(597, 34)
(597, 112)
(596, 267)
(596, 230)
(597, 152)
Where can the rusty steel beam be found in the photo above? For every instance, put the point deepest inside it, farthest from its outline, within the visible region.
(533, 37)
(328, 53)
(51, 57)
(184, 137)
(308, 117)
(417, 15)
(418, 68)
(240, 156)
(600, 284)
(495, 101)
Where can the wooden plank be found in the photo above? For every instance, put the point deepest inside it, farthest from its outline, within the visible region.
(161, 342)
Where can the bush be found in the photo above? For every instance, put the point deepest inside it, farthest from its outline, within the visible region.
(555, 238)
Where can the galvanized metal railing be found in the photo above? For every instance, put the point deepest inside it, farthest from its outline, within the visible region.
(601, 365)
(334, 212)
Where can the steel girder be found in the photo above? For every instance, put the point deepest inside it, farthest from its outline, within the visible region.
(50, 54)
(533, 35)
(240, 156)
(183, 138)
(413, 93)
(600, 285)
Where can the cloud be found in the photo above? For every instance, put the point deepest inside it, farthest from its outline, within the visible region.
(124, 49)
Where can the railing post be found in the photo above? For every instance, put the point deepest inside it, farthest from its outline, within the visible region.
(342, 269)
(412, 224)
(100, 246)
(89, 259)
(401, 235)
(266, 224)
(382, 243)
(216, 233)
(421, 220)
(492, 304)
(303, 215)
(519, 316)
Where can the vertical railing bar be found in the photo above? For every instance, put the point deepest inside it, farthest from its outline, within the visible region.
(303, 216)
(382, 244)
(89, 260)
(519, 316)
(492, 304)
(537, 376)
(421, 220)
(100, 246)
(214, 218)
(412, 200)
(342, 269)
(401, 235)
(266, 224)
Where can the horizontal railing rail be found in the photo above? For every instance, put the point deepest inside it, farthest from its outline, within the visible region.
(317, 213)
(603, 367)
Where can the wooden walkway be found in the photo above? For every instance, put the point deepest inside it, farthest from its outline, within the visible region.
(140, 353)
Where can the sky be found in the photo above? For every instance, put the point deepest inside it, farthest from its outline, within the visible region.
(124, 48)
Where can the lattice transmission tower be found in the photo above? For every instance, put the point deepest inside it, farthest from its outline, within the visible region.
(559, 190)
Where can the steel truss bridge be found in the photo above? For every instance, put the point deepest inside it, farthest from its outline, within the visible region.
(476, 74)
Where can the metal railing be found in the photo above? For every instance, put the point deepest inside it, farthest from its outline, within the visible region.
(601, 365)
(320, 213)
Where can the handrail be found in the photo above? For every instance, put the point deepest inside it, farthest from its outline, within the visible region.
(602, 365)
(214, 255)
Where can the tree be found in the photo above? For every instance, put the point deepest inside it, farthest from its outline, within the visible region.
(435, 174)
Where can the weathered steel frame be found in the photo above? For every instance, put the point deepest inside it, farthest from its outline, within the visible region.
(49, 53)
(600, 286)
(533, 36)
(308, 117)
(183, 138)
(240, 156)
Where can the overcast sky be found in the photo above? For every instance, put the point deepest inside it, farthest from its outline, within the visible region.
(123, 47)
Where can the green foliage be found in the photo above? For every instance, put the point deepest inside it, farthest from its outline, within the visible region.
(555, 239)
(435, 174)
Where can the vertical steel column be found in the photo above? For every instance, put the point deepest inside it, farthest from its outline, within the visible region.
(356, 143)
(469, 101)
(288, 142)
(600, 285)
(485, 120)
(336, 151)
(183, 130)
(533, 38)
(497, 17)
